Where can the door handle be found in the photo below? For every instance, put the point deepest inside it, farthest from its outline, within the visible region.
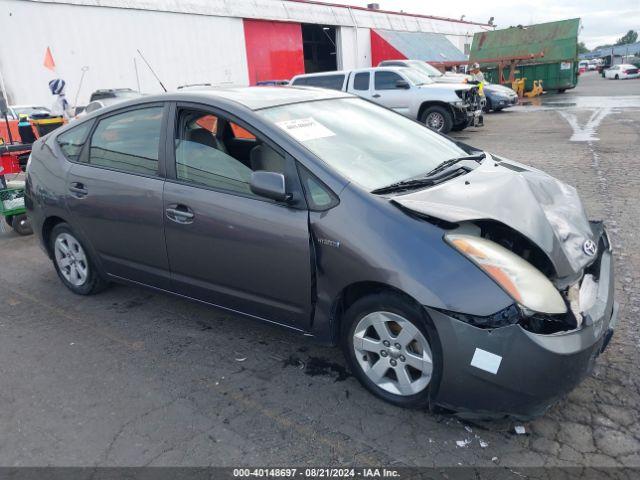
(180, 214)
(376, 95)
(78, 189)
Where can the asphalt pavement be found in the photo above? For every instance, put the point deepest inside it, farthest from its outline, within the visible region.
(133, 377)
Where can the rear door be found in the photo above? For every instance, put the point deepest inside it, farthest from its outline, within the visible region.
(387, 93)
(114, 194)
(360, 84)
(226, 245)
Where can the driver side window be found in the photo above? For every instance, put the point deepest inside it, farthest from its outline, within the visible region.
(386, 80)
(214, 152)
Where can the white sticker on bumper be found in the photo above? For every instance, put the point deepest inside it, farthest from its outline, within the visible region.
(487, 361)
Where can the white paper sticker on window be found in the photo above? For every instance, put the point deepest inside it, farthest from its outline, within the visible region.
(303, 129)
(487, 361)
(565, 65)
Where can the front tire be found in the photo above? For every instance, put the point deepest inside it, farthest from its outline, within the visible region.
(617, 77)
(437, 118)
(73, 262)
(388, 342)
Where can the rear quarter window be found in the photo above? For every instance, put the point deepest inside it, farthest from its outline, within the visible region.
(72, 141)
(333, 82)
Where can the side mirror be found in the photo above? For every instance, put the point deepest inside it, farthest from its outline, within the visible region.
(269, 185)
(403, 84)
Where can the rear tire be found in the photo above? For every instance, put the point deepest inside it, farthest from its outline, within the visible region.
(391, 347)
(617, 77)
(21, 224)
(73, 262)
(437, 118)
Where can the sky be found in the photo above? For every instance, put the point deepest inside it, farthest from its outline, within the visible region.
(603, 21)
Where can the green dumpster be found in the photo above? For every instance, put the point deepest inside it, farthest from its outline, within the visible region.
(558, 41)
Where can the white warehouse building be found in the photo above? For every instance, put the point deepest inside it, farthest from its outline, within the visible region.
(221, 42)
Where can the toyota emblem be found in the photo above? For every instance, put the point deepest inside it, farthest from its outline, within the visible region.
(590, 248)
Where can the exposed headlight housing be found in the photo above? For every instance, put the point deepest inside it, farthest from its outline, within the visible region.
(521, 280)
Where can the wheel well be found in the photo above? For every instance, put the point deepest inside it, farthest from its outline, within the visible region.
(426, 105)
(351, 293)
(47, 227)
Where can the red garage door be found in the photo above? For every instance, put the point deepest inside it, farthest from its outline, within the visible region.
(274, 50)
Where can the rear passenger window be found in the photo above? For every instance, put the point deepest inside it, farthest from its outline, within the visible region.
(72, 141)
(361, 81)
(128, 142)
(334, 82)
(386, 80)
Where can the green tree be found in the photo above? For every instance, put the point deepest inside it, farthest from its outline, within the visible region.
(630, 37)
(582, 48)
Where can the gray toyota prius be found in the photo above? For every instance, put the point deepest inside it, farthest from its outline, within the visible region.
(450, 276)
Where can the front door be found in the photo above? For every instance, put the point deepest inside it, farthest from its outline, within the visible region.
(387, 93)
(114, 195)
(226, 245)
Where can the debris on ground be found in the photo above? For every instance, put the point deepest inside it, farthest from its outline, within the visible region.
(520, 430)
(463, 443)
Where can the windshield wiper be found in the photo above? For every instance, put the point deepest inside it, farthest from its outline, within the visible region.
(428, 179)
(405, 185)
(452, 161)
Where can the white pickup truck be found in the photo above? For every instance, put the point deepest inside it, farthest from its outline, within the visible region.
(440, 106)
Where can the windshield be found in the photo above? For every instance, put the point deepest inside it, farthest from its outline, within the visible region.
(369, 145)
(427, 69)
(416, 76)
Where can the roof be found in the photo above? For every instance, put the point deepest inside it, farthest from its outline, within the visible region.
(557, 40)
(429, 47)
(626, 49)
(303, 11)
(256, 98)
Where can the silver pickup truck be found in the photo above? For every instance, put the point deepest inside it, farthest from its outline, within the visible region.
(442, 107)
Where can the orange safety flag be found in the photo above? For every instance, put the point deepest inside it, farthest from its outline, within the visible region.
(48, 60)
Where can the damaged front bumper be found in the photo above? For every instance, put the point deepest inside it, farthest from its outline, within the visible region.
(513, 371)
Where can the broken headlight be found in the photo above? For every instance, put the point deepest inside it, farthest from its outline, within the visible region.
(521, 280)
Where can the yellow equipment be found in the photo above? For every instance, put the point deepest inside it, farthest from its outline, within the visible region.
(518, 86)
(537, 89)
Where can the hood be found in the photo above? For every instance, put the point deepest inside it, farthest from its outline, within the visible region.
(452, 78)
(448, 86)
(491, 87)
(546, 211)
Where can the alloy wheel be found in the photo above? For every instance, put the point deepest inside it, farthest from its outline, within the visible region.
(435, 121)
(71, 259)
(393, 353)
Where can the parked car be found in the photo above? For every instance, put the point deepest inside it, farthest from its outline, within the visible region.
(621, 72)
(498, 97)
(449, 276)
(273, 83)
(582, 66)
(122, 93)
(14, 111)
(442, 107)
(98, 104)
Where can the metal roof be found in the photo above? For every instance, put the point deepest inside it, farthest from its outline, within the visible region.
(293, 11)
(627, 49)
(429, 47)
(557, 40)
